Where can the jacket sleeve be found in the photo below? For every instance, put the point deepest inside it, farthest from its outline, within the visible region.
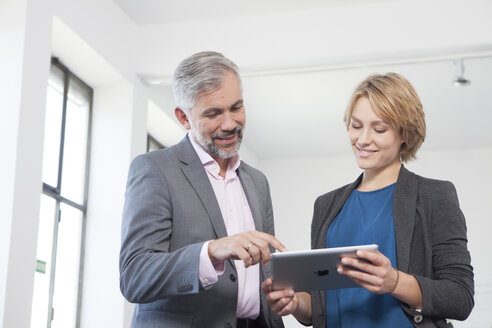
(449, 293)
(269, 220)
(148, 270)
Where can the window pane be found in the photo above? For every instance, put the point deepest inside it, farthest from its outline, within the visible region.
(52, 126)
(75, 149)
(67, 267)
(153, 144)
(40, 301)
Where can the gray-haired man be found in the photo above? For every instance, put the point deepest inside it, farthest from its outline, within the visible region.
(197, 221)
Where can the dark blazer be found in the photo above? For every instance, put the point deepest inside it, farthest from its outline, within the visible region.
(431, 245)
(170, 211)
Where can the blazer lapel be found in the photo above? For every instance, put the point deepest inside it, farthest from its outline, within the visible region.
(404, 207)
(196, 175)
(339, 201)
(251, 196)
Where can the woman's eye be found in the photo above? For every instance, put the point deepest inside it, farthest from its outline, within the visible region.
(356, 126)
(380, 130)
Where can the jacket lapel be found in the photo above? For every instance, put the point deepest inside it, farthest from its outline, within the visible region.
(196, 175)
(339, 201)
(404, 207)
(251, 196)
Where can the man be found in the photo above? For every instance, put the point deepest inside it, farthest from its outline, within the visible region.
(197, 223)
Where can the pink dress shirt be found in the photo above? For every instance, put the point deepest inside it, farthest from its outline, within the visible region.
(237, 218)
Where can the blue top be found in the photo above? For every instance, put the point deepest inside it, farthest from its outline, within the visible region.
(366, 218)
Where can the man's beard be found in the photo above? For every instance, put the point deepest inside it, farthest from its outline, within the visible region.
(210, 146)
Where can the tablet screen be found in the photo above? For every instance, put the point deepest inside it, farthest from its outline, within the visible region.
(313, 269)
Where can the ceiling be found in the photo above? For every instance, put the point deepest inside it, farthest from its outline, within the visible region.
(147, 12)
(295, 99)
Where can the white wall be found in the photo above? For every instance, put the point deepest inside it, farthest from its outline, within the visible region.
(24, 65)
(296, 182)
(110, 155)
(96, 40)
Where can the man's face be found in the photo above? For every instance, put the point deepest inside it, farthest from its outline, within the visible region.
(217, 119)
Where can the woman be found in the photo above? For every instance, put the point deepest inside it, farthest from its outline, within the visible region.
(421, 274)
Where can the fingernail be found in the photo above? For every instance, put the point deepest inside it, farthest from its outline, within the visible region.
(340, 270)
(359, 253)
(291, 292)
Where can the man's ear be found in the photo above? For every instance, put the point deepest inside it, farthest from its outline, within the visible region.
(182, 118)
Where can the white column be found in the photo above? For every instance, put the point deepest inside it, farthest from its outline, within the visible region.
(25, 33)
(118, 133)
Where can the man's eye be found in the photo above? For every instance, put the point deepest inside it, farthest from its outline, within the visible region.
(212, 115)
(235, 109)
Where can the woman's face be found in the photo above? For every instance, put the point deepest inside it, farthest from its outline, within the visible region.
(376, 144)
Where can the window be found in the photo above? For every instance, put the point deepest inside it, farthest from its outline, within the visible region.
(153, 144)
(58, 276)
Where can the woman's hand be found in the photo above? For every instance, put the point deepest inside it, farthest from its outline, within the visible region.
(371, 270)
(286, 301)
(378, 276)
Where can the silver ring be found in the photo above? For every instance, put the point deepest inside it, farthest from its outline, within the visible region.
(248, 247)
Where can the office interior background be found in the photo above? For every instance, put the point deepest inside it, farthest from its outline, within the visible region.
(300, 61)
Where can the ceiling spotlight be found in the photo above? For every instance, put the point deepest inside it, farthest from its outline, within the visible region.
(460, 81)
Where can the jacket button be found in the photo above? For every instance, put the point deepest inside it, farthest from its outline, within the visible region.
(232, 277)
(418, 318)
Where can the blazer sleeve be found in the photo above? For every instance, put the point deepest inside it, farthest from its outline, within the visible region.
(269, 221)
(148, 270)
(449, 293)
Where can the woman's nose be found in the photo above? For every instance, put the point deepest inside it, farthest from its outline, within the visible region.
(365, 137)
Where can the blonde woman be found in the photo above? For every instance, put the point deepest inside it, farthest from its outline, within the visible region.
(421, 274)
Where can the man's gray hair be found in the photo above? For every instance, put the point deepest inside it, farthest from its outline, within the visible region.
(201, 72)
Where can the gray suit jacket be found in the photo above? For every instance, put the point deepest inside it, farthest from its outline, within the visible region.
(170, 211)
(431, 244)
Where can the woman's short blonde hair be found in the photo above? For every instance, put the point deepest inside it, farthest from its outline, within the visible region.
(395, 100)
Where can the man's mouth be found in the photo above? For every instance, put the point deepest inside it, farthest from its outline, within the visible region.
(227, 135)
(227, 141)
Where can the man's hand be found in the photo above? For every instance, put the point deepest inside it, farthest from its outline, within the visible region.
(250, 247)
(283, 302)
(286, 301)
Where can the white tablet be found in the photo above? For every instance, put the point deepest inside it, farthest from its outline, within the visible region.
(314, 269)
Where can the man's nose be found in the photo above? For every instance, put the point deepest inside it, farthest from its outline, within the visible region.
(228, 122)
